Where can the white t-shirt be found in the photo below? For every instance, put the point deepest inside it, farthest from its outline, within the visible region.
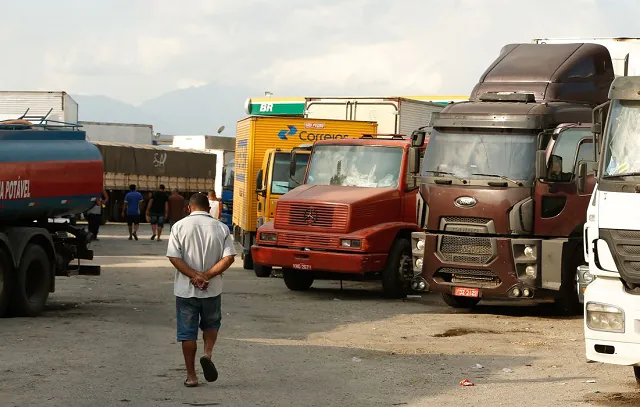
(201, 242)
(215, 208)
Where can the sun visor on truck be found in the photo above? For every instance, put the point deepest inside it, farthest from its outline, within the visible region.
(547, 72)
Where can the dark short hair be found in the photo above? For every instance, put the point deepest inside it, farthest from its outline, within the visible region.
(200, 201)
(132, 187)
(161, 187)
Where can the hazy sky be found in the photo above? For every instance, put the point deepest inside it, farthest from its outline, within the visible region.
(134, 50)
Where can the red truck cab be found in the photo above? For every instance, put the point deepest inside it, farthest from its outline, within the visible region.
(351, 219)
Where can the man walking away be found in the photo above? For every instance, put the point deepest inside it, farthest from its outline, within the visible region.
(177, 209)
(131, 207)
(201, 249)
(214, 204)
(94, 215)
(158, 211)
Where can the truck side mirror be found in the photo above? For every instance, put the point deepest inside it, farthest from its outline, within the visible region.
(414, 160)
(259, 184)
(554, 168)
(417, 138)
(541, 164)
(581, 180)
(292, 164)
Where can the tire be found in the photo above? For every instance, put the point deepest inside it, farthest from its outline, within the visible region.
(6, 280)
(460, 302)
(247, 261)
(262, 271)
(297, 280)
(394, 281)
(636, 372)
(567, 302)
(32, 283)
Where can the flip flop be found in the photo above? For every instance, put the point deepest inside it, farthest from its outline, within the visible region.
(187, 384)
(209, 369)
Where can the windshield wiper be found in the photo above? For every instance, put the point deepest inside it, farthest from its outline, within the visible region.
(501, 177)
(446, 173)
(624, 174)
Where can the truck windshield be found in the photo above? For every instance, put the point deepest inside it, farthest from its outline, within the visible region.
(358, 166)
(622, 144)
(280, 181)
(227, 180)
(493, 153)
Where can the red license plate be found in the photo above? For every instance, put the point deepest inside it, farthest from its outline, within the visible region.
(466, 292)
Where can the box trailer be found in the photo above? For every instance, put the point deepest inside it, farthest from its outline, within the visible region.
(394, 115)
(128, 133)
(58, 106)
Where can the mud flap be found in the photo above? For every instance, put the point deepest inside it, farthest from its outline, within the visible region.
(551, 263)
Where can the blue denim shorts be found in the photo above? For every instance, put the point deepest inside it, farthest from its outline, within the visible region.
(157, 220)
(192, 313)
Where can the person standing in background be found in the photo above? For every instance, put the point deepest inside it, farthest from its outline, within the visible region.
(158, 211)
(177, 207)
(131, 207)
(94, 215)
(214, 204)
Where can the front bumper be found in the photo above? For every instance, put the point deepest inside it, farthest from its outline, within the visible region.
(497, 278)
(609, 347)
(316, 260)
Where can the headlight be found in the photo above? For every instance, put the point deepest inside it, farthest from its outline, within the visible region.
(530, 271)
(352, 243)
(419, 263)
(268, 237)
(529, 252)
(605, 317)
(420, 245)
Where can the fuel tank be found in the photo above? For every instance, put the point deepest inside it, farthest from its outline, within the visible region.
(46, 173)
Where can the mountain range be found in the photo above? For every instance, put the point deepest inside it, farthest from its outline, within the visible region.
(195, 110)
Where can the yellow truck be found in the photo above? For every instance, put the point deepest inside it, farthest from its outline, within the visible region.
(259, 141)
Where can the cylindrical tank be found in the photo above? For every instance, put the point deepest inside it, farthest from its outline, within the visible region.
(46, 173)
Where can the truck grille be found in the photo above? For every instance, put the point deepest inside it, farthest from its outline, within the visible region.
(463, 249)
(625, 249)
(313, 216)
(466, 249)
(307, 241)
(482, 278)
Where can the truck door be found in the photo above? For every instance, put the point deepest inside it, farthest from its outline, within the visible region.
(560, 209)
(263, 193)
(278, 179)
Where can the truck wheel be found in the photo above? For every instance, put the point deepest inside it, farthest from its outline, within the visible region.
(395, 283)
(567, 301)
(32, 282)
(247, 261)
(297, 280)
(6, 275)
(460, 302)
(262, 271)
(636, 371)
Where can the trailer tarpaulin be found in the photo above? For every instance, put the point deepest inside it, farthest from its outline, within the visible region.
(156, 161)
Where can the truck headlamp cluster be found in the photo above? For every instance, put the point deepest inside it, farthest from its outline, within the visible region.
(604, 317)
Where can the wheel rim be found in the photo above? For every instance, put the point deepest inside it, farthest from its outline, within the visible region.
(35, 280)
(405, 267)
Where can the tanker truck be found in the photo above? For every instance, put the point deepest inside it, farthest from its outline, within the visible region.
(46, 172)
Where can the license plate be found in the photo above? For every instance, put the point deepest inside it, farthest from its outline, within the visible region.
(302, 266)
(466, 292)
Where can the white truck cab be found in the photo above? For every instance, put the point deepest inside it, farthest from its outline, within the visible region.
(612, 232)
